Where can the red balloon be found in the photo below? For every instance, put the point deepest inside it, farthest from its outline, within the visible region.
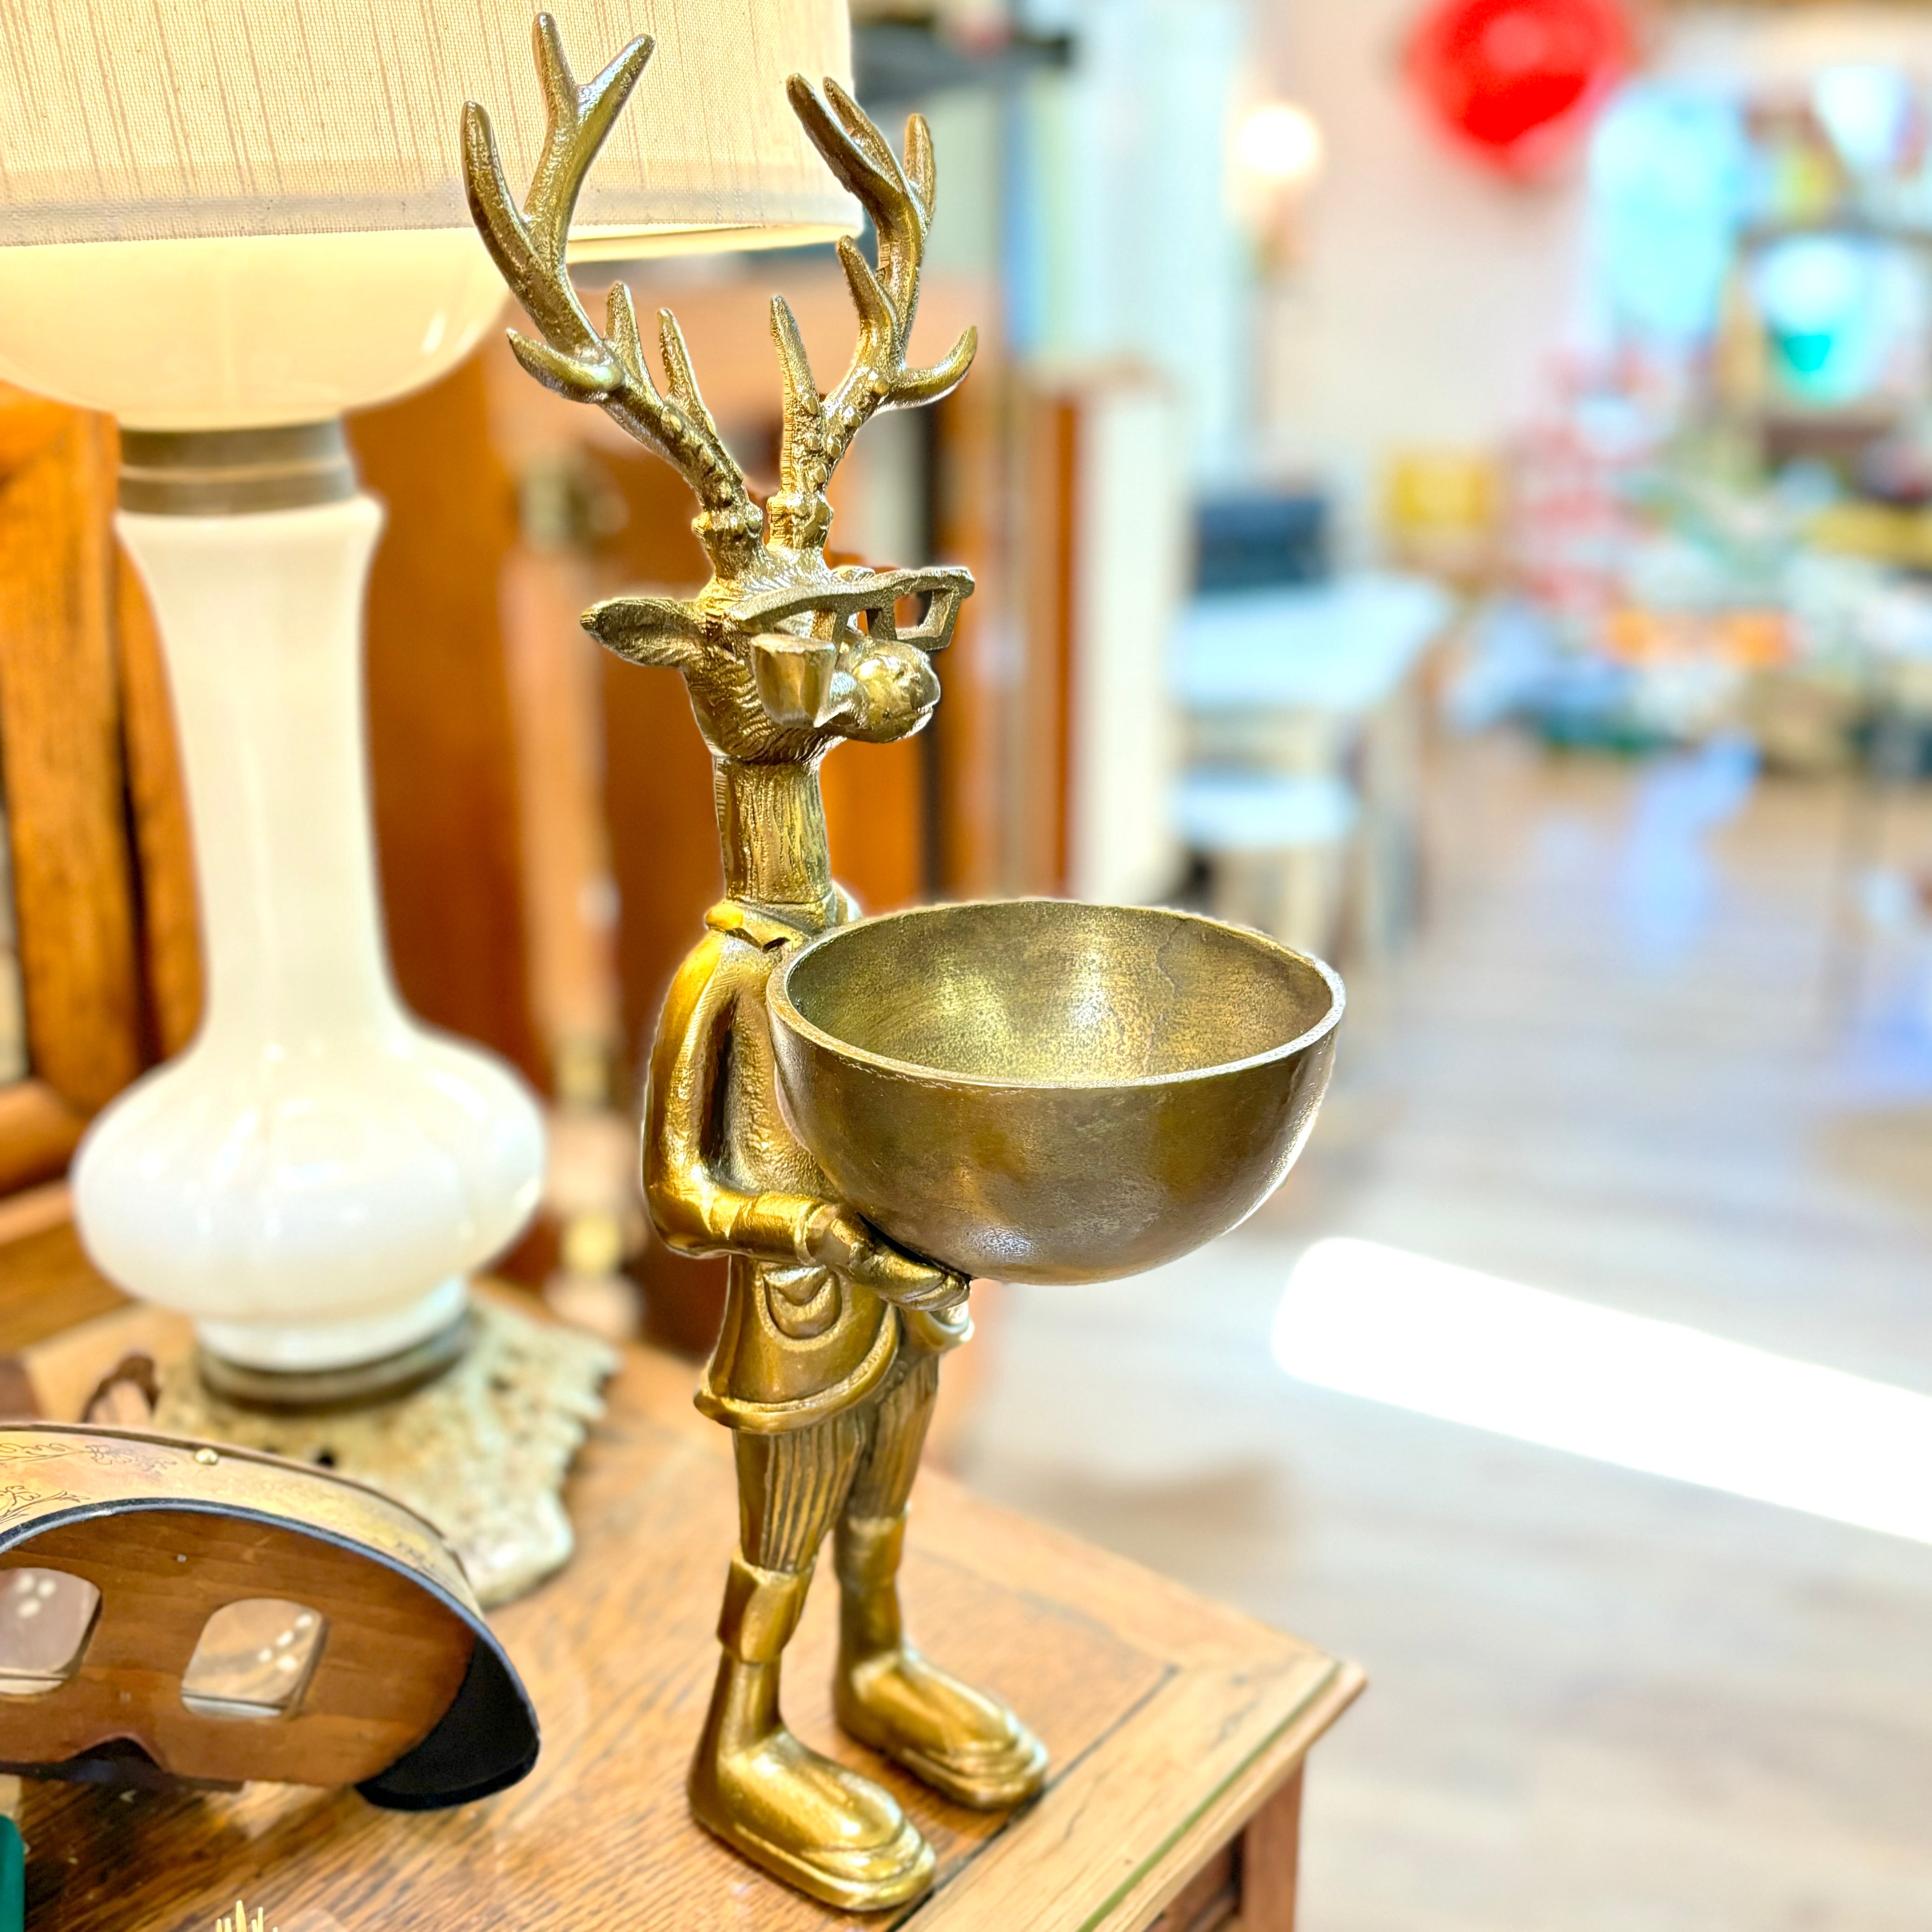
(1515, 80)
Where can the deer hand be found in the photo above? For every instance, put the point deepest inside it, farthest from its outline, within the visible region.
(838, 1238)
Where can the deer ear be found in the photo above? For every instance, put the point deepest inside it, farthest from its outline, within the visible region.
(655, 631)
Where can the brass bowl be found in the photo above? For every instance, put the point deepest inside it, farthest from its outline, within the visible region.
(1040, 1090)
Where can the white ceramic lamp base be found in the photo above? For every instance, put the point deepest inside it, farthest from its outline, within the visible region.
(313, 1180)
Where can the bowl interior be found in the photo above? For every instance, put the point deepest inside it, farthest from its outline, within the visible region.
(1053, 992)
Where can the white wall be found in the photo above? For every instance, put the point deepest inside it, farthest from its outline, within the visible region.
(1430, 294)
(1133, 250)
(1130, 551)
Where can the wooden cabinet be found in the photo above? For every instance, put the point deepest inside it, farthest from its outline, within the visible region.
(102, 896)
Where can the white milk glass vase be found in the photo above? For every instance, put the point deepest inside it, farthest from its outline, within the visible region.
(313, 1179)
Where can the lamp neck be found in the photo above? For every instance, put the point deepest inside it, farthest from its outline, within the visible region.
(260, 618)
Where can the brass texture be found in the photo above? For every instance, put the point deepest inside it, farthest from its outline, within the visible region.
(229, 473)
(826, 1362)
(482, 1451)
(1041, 1091)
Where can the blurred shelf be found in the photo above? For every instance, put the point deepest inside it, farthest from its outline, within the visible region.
(901, 61)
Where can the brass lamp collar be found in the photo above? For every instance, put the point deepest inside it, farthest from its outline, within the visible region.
(227, 472)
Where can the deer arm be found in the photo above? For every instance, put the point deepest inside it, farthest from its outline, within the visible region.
(694, 1210)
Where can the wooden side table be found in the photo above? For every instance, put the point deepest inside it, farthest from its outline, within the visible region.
(1178, 1730)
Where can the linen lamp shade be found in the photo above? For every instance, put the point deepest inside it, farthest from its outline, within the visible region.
(220, 213)
(127, 120)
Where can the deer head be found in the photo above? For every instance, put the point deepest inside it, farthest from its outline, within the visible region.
(784, 654)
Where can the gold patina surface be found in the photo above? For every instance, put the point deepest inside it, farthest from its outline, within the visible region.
(826, 1364)
(860, 1116)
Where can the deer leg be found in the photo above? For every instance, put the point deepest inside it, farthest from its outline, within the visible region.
(830, 1833)
(967, 1745)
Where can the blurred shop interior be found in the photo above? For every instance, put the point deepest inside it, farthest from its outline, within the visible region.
(1450, 484)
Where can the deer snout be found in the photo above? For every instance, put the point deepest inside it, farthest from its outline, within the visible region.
(794, 677)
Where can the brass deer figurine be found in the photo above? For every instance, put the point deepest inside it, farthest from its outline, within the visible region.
(827, 1363)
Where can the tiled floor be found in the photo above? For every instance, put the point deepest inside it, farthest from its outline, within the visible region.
(1602, 1701)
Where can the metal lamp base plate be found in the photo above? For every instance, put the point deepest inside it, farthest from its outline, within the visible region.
(482, 1450)
(321, 1391)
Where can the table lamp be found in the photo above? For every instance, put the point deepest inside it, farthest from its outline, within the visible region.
(228, 225)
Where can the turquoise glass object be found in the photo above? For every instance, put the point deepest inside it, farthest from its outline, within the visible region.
(12, 1878)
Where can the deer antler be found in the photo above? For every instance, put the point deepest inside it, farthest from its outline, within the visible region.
(819, 429)
(574, 358)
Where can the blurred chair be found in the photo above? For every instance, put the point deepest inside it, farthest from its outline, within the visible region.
(1277, 847)
(1305, 716)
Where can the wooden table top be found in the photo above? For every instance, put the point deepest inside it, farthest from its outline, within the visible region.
(1170, 1721)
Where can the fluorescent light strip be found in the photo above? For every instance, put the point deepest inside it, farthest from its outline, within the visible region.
(1400, 1328)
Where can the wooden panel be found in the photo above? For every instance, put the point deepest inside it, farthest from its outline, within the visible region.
(875, 821)
(663, 837)
(657, 773)
(970, 731)
(442, 744)
(38, 1132)
(1210, 1899)
(1271, 1861)
(60, 744)
(664, 854)
(170, 923)
(47, 1285)
(1166, 1716)
(1044, 689)
(30, 426)
(556, 682)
